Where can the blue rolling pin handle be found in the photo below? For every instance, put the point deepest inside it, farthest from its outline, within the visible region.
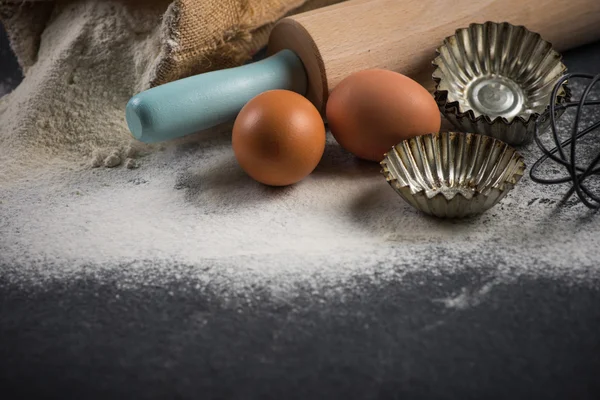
(200, 102)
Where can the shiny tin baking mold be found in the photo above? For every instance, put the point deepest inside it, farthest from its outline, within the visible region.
(452, 174)
(496, 79)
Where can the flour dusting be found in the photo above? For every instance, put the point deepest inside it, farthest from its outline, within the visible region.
(469, 298)
(191, 213)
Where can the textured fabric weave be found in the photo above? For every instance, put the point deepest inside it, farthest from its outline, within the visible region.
(197, 35)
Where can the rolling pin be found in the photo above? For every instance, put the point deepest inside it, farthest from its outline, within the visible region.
(311, 53)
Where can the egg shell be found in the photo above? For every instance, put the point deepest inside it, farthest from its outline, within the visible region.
(372, 110)
(278, 137)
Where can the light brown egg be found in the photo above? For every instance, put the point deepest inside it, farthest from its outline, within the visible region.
(278, 137)
(372, 110)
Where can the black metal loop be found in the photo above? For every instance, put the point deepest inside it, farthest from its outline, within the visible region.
(576, 173)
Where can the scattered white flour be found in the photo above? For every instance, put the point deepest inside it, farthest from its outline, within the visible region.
(469, 298)
(190, 213)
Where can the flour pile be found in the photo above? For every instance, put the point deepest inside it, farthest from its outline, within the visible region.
(63, 112)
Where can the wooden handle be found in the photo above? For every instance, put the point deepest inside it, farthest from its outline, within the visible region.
(402, 35)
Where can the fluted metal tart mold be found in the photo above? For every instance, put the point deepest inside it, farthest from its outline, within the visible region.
(452, 174)
(496, 79)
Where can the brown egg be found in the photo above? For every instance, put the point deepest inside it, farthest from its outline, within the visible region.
(372, 110)
(278, 137)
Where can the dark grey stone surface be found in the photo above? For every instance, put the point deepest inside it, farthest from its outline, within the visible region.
(10, 73)
(91, 338)
(530, 339)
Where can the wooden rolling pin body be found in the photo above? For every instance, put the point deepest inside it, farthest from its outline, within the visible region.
(402, 35)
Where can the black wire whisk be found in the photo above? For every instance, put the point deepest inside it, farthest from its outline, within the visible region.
(565, 153)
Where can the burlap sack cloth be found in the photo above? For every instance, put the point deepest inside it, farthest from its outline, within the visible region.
(197, 35)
